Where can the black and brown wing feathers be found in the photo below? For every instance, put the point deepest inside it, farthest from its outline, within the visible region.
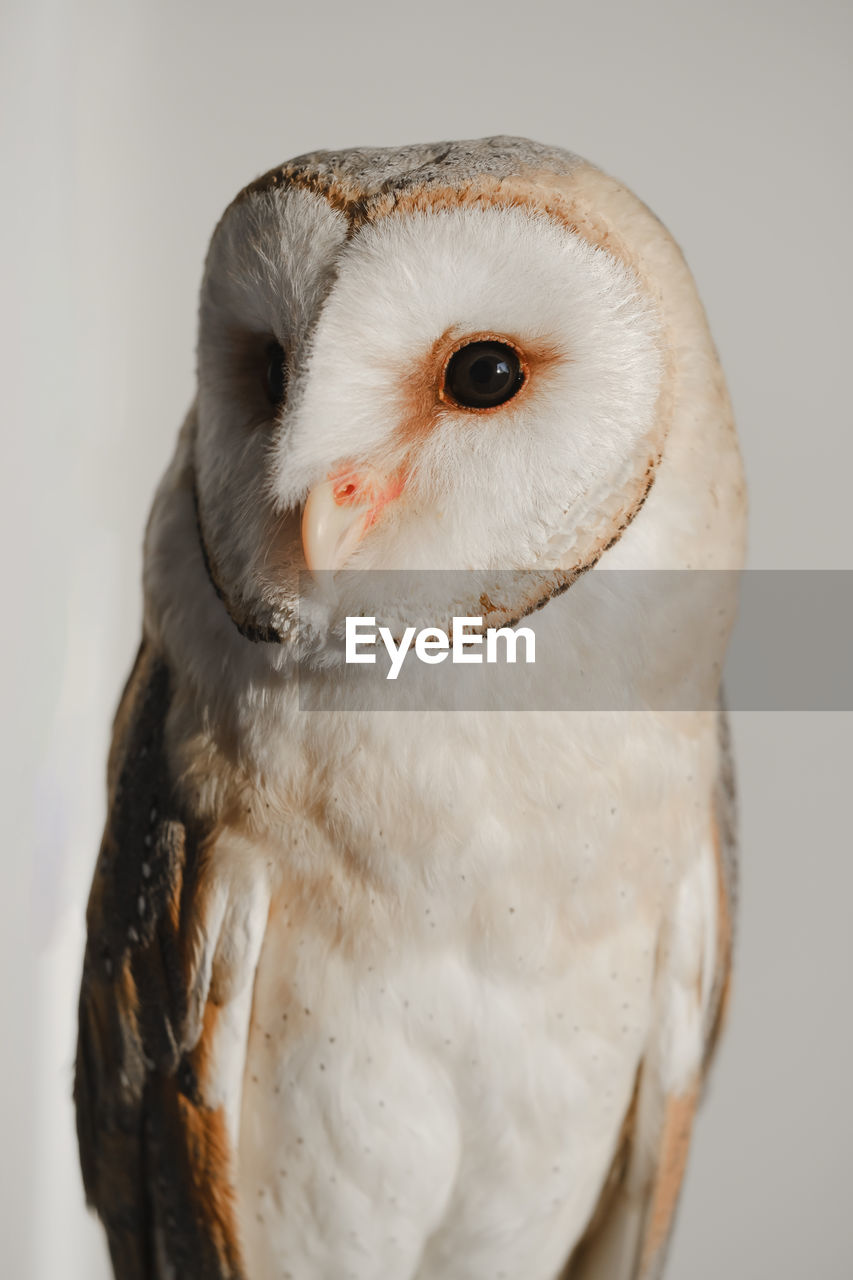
(155, 1157)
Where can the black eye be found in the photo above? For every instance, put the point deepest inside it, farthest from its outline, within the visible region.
(276, 373)
(483, 375)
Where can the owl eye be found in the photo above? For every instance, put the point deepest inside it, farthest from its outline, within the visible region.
(276, 374)
(483, 375)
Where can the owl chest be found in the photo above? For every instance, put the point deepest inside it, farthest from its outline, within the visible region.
(438, 1064)
(428, 1115)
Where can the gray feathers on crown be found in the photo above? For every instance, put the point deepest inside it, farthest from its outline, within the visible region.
(377, 170)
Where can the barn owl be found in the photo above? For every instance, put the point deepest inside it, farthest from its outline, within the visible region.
(396, 994)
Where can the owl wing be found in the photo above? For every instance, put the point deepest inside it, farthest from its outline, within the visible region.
(154, 1085)
(629, 1232)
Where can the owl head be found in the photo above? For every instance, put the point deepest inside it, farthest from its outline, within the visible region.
(480, 356)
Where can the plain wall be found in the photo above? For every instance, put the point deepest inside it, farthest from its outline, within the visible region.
(127, 127)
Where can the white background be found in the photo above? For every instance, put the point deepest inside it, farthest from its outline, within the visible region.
(127, 127)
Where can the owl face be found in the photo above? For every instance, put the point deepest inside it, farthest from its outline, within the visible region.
(451, 377)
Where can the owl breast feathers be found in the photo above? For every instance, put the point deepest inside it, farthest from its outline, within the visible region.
(379, 990)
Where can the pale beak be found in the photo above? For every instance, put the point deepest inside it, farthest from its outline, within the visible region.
(338, 513)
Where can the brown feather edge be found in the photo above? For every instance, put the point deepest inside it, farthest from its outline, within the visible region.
(680, 1110)
(725, 827)
(672, 1165)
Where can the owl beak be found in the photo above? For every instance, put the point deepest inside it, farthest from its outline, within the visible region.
(339, 512)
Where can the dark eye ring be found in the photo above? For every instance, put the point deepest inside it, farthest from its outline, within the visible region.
(275, 375)
(482, 374)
